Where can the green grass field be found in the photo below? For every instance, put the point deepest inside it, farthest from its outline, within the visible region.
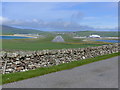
(12, 77)
(45, 43)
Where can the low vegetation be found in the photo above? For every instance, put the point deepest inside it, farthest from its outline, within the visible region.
(45, 43)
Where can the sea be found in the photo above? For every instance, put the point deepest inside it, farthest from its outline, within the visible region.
(110, 41)
(13, 37)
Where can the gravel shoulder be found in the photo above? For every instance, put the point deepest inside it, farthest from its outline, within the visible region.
(101, 74)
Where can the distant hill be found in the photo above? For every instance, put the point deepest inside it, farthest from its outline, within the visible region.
(12, 30)
(101, 33)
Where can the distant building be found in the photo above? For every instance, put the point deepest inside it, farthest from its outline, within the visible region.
(94, 36)
(79, 37)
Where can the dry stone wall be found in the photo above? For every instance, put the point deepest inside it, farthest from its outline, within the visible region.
(20, 61)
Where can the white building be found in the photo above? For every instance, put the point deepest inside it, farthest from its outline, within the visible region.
(94, 36)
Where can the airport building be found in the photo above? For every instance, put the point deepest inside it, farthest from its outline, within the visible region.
(94, 36)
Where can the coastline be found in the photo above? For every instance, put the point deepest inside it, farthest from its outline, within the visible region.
(20, 36)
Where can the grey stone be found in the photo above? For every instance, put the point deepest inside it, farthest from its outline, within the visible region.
(58, 39)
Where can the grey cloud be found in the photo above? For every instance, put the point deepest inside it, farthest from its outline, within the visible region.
(56, 25)
(59, 24)
(78, 16)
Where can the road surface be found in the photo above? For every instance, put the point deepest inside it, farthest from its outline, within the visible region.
(101, 74)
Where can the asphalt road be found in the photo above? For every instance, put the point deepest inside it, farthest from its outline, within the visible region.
(102, 74)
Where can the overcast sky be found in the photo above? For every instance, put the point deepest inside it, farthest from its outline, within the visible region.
(61, 16)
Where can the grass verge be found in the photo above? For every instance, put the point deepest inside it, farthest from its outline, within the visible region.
(12, 77)
(0, 79)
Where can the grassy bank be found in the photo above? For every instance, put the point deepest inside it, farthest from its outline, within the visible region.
(12, 77)
(0, 79)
